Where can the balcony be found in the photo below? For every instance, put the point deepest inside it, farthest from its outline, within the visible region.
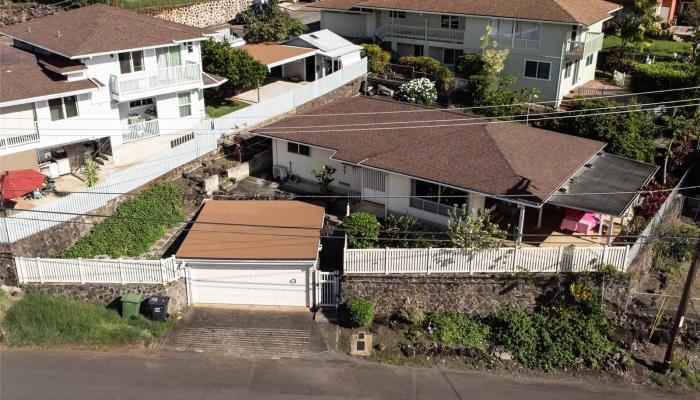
(141, 130)
(30, 136)
(419, 33)
(515, 43)
(579, 49)
(149, 83)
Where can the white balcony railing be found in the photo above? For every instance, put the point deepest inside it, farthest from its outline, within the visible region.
(160, 78)
(32, 135)
(141, 130)
(579, 49)
(418, 32)
(515, 43)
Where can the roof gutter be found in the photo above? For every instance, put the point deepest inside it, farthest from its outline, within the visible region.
(48, 97)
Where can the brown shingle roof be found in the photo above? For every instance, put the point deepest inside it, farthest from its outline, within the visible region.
(21, 77)
(440, 146)
(272, 53)
(255, 230)
(584, 12)
(99, 29)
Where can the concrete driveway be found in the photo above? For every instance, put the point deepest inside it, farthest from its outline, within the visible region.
(260, 332)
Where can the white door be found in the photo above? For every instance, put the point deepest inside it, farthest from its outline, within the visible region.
(255, 285)
(374, 186)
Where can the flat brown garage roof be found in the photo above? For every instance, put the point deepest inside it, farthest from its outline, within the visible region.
(272, 54)
(254, 230)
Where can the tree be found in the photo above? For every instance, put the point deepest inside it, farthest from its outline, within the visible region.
(473, 233)
(274, 24)
(691, 14)
(362, 230)
(628, 135)
(635, 26)
(235, 64)
(90, 170)
(324, 176)
(469, 64)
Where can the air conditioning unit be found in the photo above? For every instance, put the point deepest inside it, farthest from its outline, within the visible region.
(280, 172)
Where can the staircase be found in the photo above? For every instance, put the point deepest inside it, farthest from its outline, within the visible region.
(103, 159)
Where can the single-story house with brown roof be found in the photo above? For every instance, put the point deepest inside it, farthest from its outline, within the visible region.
(421, 161)
(257, 252)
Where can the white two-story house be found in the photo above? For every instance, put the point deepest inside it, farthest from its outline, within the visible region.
(97, 80)
(553, 44)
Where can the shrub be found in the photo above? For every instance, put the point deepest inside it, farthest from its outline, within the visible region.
(136, 225)
(404, 231)
(90, 171)
(515, 330)
(456, 328)
(676, 241)
(428, 65)
(419, 91)
(617, 59)
(663, 76)
(324, 177)
(362, 230)
(411, 312)
(469, 64)
(378, 58)
(651, 201)
(360, 312)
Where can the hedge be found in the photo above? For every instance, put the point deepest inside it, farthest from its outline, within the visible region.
(663, 76)
(137, 224)
(360, 312)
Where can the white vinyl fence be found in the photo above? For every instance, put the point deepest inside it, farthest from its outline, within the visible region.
(505, 259)
(65, 270)
(25, 224)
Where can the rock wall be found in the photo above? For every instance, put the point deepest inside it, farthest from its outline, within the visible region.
(201, 14)
(474, 294)
(10, 15)
(108, 293)
(8, 272)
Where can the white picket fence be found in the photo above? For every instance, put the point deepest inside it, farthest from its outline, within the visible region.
(505, 259)
(65, 270)
(25, 224)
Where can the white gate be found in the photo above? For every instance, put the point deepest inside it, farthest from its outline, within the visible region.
(327, 289)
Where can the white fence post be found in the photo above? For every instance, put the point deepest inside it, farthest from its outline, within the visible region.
(80, 270)
(606, 254)
(38, 268)
(625, 260)
(386, 261)
(20, 269)
(560, 252)
(121, 271)
(427, 262)
(162, 271)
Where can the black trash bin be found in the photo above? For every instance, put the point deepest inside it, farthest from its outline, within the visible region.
(157, 307)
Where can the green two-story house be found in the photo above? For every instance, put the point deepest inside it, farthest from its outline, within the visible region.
(553, 44)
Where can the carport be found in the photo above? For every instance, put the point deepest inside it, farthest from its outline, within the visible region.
(253, 252)
(607, 185)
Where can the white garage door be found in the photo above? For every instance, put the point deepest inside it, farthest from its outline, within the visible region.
(258, 285)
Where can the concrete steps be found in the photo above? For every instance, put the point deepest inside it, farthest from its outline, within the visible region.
(103, 159)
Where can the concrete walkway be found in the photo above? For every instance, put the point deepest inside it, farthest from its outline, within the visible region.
(34, 375)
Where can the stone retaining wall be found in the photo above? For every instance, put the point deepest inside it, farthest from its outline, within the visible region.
(110, 292)
(8, 271)
(201, 14)
(474, 294)
(10, 15)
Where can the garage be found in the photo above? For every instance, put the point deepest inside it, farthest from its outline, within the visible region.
(253, 252)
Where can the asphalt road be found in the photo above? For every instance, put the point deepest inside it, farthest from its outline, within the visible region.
(159, 375)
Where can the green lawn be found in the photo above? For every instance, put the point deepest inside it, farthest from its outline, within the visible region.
(42, 320)
(659, 48)
(216, 109)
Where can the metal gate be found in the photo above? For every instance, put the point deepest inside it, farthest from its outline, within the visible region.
(327, 289)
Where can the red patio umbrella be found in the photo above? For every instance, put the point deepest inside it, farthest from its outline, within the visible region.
(19, 182)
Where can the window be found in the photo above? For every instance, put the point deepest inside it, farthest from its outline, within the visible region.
(418, 50)
(505, 28)
(168, 57)
(537, 69)
(185, 103)
(66, 107)
(140, 103)
(589, 60)
(502, 28)
(567, 69)
(131, 62)
(449, 21)
(450, 56)
(397, 14)
(190, 47)
(298, 149)
(436, 198)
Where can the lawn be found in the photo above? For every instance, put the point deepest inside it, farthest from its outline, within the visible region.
(659, 48)
(42, 320)
(216, 109)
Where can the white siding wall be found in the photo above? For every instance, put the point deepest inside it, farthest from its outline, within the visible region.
(17, 120)
(344, 23)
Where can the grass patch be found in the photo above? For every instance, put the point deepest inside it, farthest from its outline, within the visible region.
(42, 320)
(216, 109)
(681, 375)
(658, 48)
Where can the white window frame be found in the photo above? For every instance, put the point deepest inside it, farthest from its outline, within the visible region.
(589, 59)
(142, 102)
(567, 69)
(181, 105)
(64, 113)
(549, 77)
(132, 69)
(451, 19)
(396, 14)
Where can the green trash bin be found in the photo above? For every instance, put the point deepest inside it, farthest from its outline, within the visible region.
(131, 304)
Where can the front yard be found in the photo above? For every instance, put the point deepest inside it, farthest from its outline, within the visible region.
(218, 108)
(659, 48)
